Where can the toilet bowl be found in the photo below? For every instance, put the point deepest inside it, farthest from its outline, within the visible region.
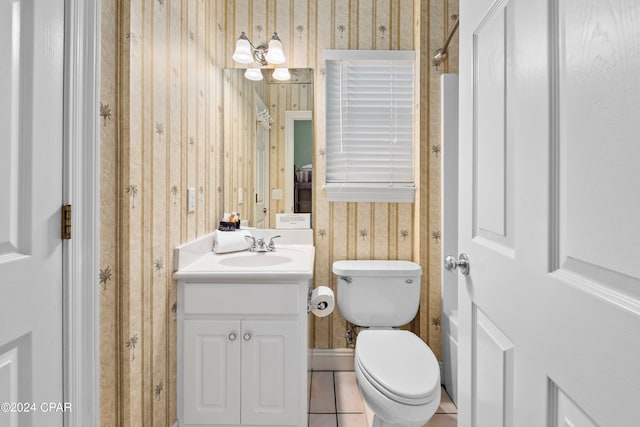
(399, 377)
(398, 374)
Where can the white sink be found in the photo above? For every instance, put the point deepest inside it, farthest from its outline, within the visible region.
(255, 259)
(288, 262)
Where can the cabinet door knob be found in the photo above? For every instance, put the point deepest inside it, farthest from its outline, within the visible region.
(247, 336)
(232, 336)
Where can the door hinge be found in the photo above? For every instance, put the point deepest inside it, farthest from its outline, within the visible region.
(66, 222)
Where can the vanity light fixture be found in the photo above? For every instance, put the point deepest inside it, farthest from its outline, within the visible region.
(247, 53)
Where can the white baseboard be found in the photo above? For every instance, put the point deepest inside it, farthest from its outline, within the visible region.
(340, 359)
(335, 359)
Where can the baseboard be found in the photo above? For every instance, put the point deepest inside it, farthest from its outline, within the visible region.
(340, 359)
(335, 359)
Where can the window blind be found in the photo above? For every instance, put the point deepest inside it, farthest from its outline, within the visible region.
(369, 119)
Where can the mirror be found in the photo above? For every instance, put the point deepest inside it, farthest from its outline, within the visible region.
(268, 145)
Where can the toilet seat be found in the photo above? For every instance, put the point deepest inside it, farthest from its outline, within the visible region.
(399, 365)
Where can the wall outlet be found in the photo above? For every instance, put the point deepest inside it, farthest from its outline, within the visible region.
(191, 199)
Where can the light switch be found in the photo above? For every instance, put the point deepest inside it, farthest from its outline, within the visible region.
(240, 196)
(276, 193)
(191, 199)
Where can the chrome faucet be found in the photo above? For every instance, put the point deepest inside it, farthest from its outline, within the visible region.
(260, 245)
(271, 247)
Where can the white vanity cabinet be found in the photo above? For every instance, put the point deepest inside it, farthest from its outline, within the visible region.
(242, 353)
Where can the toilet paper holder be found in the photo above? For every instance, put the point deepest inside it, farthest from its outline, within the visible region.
(322, 305)
(317, 307)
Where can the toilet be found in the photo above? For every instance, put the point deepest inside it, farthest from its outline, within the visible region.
(398, 374)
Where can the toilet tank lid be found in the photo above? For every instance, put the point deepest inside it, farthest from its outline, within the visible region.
(376, 268)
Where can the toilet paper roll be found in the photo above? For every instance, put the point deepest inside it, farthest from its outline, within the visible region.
(322, 301)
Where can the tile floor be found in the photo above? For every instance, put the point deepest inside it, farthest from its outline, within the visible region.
(336, 402)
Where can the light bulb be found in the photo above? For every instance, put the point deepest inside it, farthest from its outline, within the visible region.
(253, 74)
(275, 55)
(243, 53)
(281, 74)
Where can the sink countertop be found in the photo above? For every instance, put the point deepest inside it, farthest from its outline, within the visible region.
(292, 262)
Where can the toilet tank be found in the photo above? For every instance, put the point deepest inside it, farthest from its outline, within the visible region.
(378, 293)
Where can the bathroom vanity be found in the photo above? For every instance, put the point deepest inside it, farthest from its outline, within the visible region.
(242, 332)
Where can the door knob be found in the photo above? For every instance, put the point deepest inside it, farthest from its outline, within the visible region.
(232, 336)
(264, 210)
(451, 263)
(247, 336)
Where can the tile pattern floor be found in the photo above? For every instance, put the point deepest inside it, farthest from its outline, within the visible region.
(336, 402)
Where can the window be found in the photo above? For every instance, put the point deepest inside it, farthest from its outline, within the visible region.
(369, 119)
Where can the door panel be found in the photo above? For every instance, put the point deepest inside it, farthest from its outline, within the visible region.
(494, 374)
(10, 367)
(490, 124)
(270, 372)
(31, 144)
(16, 164)
(212, 372)
(555, 303)
(493, 164)
(567, 414)
(597, 142)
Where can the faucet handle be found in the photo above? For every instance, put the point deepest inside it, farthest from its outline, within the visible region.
(271, 246)
(253, 242)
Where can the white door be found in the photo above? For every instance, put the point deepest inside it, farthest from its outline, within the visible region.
(549, 213)
(262, 170)
(31, 131)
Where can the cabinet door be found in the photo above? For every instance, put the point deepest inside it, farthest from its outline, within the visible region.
(270, 365)
(211, 372)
